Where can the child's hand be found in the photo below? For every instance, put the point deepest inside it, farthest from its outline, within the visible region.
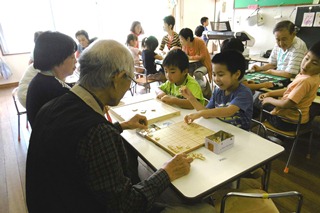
(268, 85)
(267, 100)
(160, 95)
(263, 96)
(185, 92)
(167, 99)
(191, 117)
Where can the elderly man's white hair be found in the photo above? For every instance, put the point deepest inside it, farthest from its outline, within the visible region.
(101, 61)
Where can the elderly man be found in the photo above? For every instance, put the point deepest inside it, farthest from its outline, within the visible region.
(287, 54)
(77, 160)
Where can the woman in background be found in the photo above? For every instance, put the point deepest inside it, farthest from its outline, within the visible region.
(84, 41)
(137, 30)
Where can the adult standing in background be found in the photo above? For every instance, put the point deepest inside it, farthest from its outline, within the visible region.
(137, 30)
(77, 160)
(83, 38)
(204, 22)
(54, 57)
(287, 54)
(172, 38)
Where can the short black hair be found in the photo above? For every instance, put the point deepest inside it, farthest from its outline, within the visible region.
(186, 33)
(315, 49)
(203, 19)
(170, 20)
(51, 49)
(233, 59)
(151, 43)
(176, 58)
(36, 35)
(199, 30)
(82, 32)
(131, 37)
(284, 25)
(232, 44)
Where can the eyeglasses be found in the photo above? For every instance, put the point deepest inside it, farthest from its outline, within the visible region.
(132, 79)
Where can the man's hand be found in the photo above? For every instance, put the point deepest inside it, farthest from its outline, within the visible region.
(270, 72)
(256, 68)
(178, 166)
(137, 121)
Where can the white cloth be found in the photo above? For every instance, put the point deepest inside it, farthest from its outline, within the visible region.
(135, 54)
(24, 84)
(289, 60)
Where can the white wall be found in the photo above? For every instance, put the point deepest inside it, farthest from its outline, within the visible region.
(263, 35)
(190, 12)
(193, 11)
(264, 38)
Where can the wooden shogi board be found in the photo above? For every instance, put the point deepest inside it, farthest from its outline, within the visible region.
(180, 137)
(154, 109)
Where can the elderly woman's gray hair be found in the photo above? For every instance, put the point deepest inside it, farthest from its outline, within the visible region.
(101, 61)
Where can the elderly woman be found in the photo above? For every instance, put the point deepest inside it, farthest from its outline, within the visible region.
(54, 57)
(77, 160)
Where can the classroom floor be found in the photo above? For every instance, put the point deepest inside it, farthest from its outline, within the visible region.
(304, 175)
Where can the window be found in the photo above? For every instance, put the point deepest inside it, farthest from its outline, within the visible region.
(19, 19)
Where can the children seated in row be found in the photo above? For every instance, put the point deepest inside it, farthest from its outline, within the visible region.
(172, 38)
(300, 93)
(131, 42)
(149, 56)
(176, 66)
(231, 101)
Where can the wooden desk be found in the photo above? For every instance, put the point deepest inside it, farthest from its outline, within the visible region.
(250, 151)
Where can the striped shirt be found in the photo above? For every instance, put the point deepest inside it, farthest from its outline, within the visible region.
(289, 60)
(175, 42)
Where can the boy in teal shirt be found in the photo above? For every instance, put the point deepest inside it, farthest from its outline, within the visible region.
(176, 66)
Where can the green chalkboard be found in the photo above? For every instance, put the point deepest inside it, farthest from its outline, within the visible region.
(266, 3)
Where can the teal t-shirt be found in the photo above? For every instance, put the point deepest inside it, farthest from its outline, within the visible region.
(190, 83)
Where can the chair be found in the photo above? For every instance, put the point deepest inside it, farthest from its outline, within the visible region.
(141, 78)
(294, 135)
(20, 110)
(253, 200)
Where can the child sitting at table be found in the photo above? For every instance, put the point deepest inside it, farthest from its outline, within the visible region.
(300, 93)
(131, 42)
(149, 56)
(231, 101)
(176, 67)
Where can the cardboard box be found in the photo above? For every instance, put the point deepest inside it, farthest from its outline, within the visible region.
(219, 142)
